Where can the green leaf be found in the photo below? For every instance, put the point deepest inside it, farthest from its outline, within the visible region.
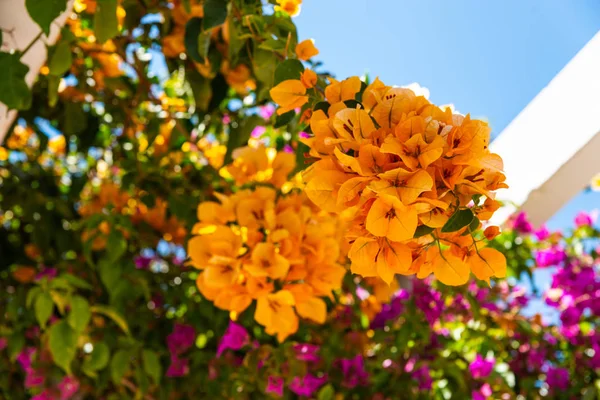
(116, 245)
(193, 30)
(106, 24)
(239, 136)
(473, 225)
(322, 105)
(112, 314)
(273, 45)
(53, 83)
(109, 272)
(43, 308)
(204, 44)
(264, 64)
(326, 393)
(31, 295)
(16, 342)
(461, 218)
(14, 92)
(98, 359)
(76, 282)
(423, 230)
(152, 365)
(215, 13)
(284, 119)
(201, 90)
(43, 12)
(61, 59)
(119, 366)
(62, 341)
(236, 43)
(80, 313)
(288, 69)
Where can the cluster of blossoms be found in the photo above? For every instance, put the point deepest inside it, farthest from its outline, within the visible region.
(260, 245)
(415, 174)
(110, 196)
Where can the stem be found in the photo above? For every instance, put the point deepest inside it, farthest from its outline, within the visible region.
(30, 45)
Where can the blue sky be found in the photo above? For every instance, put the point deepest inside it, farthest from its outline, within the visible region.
(488, 58)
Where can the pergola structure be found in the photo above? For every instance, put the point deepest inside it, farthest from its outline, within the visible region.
(551, 150)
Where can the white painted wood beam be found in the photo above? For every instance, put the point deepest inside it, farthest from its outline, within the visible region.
(551, 150)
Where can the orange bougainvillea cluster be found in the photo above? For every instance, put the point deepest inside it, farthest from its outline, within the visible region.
(277, 250)
(260, 164)
(418, 177)
(110, 196)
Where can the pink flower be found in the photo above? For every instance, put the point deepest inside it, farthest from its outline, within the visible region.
(235, 338)
(483, 393)
(48, 273)
(423, 376)
(68, 387)
(584, 219)
(288, 149)
(543, 233)
(307, 352)
(275, 385)
(179, 367)
(226, 119)
(258, 131)
(45, 395)
(304, 135)
(557, 378)
(354, 371)
(267, 111)
(3, 343)
(481, 367)
(520, 223)
(181, 339)
(307, 385)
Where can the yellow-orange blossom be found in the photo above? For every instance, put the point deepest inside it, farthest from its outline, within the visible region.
(405, 166)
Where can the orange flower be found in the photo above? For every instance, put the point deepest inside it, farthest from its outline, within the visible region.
(308, 78)
(289, 95)
(306, 49)
(406, 173)
(292, 7)
(276, 313)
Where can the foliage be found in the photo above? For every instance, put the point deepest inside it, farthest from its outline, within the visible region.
(149, 137)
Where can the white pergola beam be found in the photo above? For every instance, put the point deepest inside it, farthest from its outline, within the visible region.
(551, 150)
(19, 30)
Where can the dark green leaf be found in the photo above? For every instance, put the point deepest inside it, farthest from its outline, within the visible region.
(288, 69)
(16, 341)
(236, 43)
(62, 341)
(284, 119)
(215, 13)
(80, 313)
(14, 92)
(61, 59)
(219, 88)
(119, 365)
(43, 307)
(193, 30)
(273, 45)
(43, 12)
(322, 105)
(112, 314)
(106, 24)
(423, 230)
(300, 151)
(74, 119)
(473, 225)
(461, 218)
(152, 365)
